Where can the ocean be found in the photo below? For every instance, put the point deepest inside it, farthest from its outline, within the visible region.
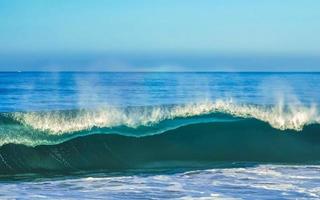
(114, 135)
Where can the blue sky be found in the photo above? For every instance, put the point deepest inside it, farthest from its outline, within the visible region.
(146, 35)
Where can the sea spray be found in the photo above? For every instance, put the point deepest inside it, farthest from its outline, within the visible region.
(60, 122)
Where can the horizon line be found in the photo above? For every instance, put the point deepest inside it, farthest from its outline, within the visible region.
(83, 71)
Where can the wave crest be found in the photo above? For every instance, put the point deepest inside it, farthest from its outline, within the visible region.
(59, 122)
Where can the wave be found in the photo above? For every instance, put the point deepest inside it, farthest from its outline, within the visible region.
(57, 122)
(53, 127)
(199, 145)
(189, 135)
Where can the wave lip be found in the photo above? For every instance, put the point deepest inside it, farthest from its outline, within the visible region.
(59, 122)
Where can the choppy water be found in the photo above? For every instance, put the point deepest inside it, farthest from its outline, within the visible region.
(255, 182)
(132, 126)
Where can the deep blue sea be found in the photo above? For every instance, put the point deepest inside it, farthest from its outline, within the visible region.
(72, 135)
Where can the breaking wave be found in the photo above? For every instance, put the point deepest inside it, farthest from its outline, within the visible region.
(53, 127)
(60, 122)
(189, 135)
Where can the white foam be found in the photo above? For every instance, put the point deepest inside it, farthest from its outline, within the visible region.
(58, 122)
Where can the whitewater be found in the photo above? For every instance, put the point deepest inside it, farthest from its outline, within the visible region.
(150, 120)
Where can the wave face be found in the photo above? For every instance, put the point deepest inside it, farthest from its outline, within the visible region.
(189, 135)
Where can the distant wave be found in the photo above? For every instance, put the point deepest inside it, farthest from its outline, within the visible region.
(53, 127)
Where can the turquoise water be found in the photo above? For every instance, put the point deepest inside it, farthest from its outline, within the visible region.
(159, 135)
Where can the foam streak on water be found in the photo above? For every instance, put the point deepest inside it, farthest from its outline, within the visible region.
(260, 182)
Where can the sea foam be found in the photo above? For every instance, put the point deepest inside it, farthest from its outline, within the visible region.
(293, 117)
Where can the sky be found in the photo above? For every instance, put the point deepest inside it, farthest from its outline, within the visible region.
(160, 35)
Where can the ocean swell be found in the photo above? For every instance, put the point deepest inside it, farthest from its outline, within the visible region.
(202, 145)
(53, 127)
